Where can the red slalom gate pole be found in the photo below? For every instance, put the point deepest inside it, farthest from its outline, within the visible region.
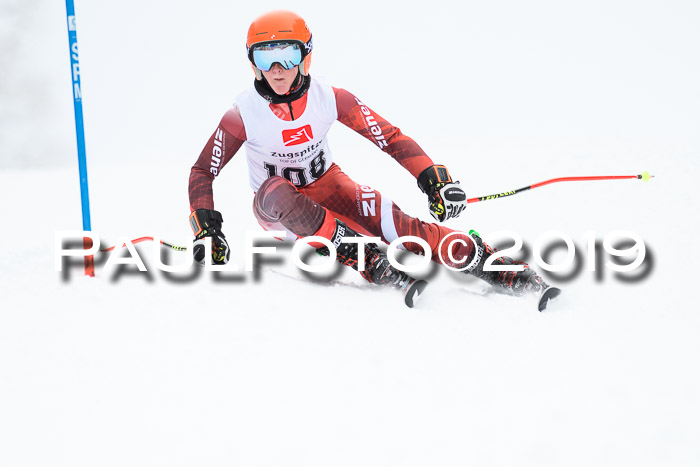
(644, 176)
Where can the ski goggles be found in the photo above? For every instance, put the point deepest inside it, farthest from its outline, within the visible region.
(287, 54)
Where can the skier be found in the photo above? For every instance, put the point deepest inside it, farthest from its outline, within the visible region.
(283, 122)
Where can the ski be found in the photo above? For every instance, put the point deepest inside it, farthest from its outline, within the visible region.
(412, 291)
(549, 293)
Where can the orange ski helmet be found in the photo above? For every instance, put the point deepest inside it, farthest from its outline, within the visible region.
(280, 26)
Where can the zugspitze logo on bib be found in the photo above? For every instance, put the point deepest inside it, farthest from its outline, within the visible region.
(297, 136)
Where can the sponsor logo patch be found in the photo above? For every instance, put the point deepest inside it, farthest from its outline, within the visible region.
(297, 135)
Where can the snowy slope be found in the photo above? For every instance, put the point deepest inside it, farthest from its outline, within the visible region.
(141, 369)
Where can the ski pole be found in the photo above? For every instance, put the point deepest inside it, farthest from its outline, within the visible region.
(644, 176)
(143, 239)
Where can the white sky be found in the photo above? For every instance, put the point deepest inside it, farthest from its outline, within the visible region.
(486, 78)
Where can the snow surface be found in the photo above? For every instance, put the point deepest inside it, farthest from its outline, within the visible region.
(145, 370)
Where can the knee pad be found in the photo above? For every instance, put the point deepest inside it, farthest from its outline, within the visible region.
(274, 197)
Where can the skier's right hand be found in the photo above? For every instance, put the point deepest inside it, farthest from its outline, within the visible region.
(206, 223)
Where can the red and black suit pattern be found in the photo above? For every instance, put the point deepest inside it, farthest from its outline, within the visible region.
(307, 210)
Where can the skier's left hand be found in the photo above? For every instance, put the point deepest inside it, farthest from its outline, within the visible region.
(446, 199)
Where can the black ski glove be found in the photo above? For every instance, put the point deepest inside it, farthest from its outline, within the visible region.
(445, 198)
(207, 223)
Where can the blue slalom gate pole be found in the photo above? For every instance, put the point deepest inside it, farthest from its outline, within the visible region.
(79, 130)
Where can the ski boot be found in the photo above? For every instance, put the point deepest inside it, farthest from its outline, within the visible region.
(510, 282)
(378, 270)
